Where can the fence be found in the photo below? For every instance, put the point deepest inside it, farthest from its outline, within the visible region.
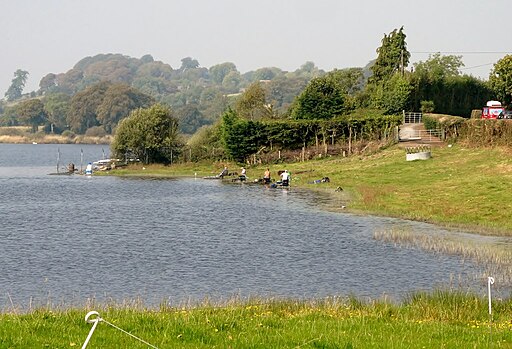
(412, 117)
(424, 135)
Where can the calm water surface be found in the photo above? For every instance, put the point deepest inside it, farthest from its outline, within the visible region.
(70, 238)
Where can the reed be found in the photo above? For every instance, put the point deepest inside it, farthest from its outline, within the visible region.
(494, 257)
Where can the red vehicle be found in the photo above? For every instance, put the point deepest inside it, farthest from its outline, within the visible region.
(493, 110)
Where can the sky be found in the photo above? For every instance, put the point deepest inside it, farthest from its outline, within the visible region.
(51, 36)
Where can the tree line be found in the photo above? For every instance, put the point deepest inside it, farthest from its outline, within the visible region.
(101, 91)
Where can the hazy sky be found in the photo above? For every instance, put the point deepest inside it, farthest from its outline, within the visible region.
(50, 36)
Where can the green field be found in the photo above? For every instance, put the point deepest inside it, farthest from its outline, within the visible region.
(440, 320)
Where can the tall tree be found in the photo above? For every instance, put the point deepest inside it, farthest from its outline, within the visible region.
(392, 56)
(17, 85)
(500, 79)
(149, 134)
(31, 112)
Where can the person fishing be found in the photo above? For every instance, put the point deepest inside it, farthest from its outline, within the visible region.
(266, 176)
(243, 175)
(285, 178)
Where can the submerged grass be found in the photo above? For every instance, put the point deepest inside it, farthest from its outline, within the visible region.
(437, 320)
(494, 257)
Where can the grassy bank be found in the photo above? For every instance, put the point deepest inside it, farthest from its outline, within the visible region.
(464, 187)
(439, 320)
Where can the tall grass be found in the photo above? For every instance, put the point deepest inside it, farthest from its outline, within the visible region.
(438, 320)
(494, 257)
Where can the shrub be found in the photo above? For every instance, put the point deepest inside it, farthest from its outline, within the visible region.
(427, 106)
(69, 134)
(96, 131)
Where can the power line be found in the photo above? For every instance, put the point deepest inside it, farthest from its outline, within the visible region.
(476, 66)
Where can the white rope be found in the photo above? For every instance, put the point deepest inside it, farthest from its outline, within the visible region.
(95, 323)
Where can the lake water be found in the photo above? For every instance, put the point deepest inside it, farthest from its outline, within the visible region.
(67, 239)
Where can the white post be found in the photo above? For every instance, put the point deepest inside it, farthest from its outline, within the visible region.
(91, 321)
(490, 281)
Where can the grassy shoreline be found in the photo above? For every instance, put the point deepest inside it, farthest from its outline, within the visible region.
(438, 320)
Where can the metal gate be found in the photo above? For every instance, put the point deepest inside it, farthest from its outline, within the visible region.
(412, 117)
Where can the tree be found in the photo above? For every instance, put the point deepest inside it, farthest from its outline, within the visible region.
(231, 81)
(396, 94)
(500, 79)
(439, 81)
(190, 118)
(17, 85)
(70, 82)
(48, 83)
(84, 105)
(118, 101)
(251, 103)
(104, 104)
(57, 107)
(31, 112)
(266, 73)
(218, 72)
(282, 90)
(189, 63)
(149, 134)
(206, 143)
(392, 56)
(438, 67)
(323, 98)
(240, 137)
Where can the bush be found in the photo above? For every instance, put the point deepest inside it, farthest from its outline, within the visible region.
(484, 132)
(149, 134)
(449, 125)
(427, 106)
(69, 134)
(206, 144)
(96, 131)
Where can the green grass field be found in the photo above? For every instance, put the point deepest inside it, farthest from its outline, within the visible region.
(439, 320)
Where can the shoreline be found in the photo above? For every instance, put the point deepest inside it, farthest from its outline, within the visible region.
(353, 197)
